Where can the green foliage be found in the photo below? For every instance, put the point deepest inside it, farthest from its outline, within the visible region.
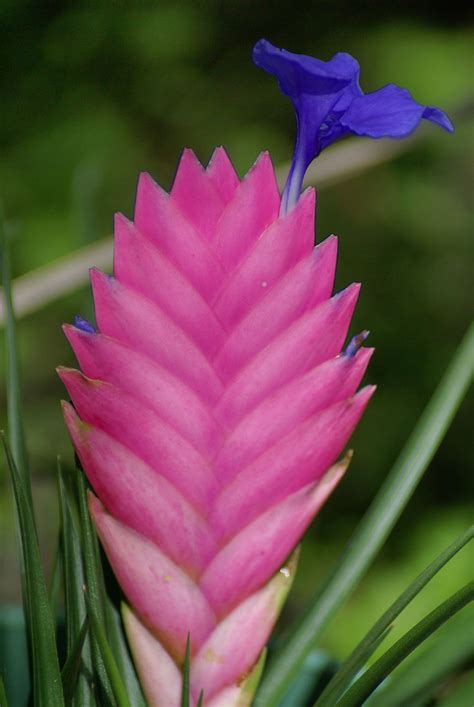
(3, 694)
(16, 431)
(72, 667)
(45, 665)
(371, 679)
(186, 671)
(116, 683)
(376, 524)
(435, 669)
(356, 661)
(75, 608)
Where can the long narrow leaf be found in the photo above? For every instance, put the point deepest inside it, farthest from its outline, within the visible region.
(461, 694)
(436, 663)
(16, 434)
(3, 694)
(376, 524)
(94, 587)
(343, 678)
(75, 608)
(72, 666)
(47, 688)
(122, 656)
(54, 588)
(116, 682)
(377, 672)
(186, 671)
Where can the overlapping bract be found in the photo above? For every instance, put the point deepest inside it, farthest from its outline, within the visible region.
(212, 402)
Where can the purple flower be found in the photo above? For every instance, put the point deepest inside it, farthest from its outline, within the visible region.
(84, 325)
(329, 104)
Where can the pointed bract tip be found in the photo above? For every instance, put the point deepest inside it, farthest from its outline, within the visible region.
(76, 426)
(364, 395)
(219, 153)
(65, 372)
(121, 220)
(69, 413)
(351, 293)
(96, 507)
(147, 187)
(263, 161)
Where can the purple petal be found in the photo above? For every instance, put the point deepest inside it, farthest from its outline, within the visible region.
(84, 325)
(390, 112)
(299, 75)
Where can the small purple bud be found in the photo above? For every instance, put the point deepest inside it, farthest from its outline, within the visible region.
(84, 325)
(355, 344)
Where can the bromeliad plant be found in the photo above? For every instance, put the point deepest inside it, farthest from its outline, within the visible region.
(214, 399)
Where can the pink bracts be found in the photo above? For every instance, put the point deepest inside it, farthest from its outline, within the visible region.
(211, 409)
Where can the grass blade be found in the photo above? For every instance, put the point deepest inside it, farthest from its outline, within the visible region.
(54, 588)
(186, 670)
(16, 434)
(72, 666)
(435, 665)
(47, 687)
(122, 656)
(461, 694)
(94, 594)
(351, 666)
(3, 694)
(75, 608)
(200, 699)
(113, 673)
(366, 684)
(376, 524)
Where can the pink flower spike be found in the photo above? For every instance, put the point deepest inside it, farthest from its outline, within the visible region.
(215, 397)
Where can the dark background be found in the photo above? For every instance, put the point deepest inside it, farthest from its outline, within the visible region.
(92, 94)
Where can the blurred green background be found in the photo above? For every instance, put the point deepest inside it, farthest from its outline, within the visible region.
(94, 93)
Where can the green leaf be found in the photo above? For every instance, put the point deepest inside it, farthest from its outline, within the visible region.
(200, 699)
(317, 669)
(116, 682)
(186, 670)
(121, 654)
(355, 662)
(72, 666)
(461, 694)
(3, 694)
(47, 688)
(95, 597)
(375, 526)
(54, 588)
(373, 676)
(436, 663)
(73, 580)
(16, 434)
